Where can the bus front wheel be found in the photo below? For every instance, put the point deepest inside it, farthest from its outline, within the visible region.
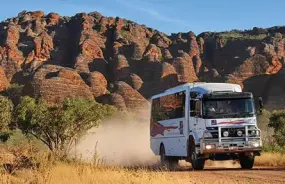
(196, 162)
(246, 161)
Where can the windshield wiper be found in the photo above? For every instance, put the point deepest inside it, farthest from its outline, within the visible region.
(227, 115)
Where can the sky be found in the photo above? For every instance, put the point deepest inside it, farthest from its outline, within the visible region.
(168, 16)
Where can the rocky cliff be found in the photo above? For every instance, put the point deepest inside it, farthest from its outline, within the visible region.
(119, 62)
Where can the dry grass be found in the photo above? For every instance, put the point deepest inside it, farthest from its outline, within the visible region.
(78, 173)
(63, 173)
(270, 159)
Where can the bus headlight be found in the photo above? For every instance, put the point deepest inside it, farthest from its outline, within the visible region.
(225, 133)
(255, 144)
(239, 133)
(210, 146)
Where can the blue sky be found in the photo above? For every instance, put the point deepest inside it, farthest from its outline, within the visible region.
(169, 16)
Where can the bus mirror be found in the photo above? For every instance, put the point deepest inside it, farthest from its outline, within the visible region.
(260, 101)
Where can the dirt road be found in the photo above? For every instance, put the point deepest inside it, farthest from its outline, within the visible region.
(228, 175)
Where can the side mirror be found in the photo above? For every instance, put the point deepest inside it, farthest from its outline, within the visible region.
(260, 105)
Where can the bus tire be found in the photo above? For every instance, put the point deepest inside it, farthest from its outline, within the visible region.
(246, 161)
(196, 162)
(166, 162)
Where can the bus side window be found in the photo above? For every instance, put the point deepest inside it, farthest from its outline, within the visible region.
(157, 112)
(198, 108)
(192, 108)
(167, 107)
(180, 105)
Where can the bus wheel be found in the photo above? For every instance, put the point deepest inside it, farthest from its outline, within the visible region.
(196, 162)
(246, 161)
(169, 163)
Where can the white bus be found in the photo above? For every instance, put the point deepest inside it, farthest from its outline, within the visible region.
(200, 121)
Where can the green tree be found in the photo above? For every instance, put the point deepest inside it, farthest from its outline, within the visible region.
(277, 122)
(262, 122)
(14, 92)
(59, 126)
(6, 109)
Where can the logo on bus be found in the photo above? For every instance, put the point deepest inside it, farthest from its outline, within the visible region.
(214, 122)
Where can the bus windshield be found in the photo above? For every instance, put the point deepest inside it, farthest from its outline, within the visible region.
(228, 108)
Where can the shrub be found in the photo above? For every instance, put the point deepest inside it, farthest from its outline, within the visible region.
(262, 122)
(14, 92)
(126, 35)
(17, 138)
(25, 156)
(6, 108)
(60, 126)
(236, 35)
(277, 122)
(273, 148)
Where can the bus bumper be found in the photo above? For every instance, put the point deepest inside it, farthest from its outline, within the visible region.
(222, 145)
(231, 149)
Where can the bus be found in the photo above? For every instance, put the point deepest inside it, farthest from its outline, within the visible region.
(196, 122)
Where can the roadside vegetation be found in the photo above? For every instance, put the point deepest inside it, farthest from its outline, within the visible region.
(36, 138)
(59, 126)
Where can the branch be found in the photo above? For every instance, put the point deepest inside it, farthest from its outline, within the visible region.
(47, 133)
(44, 141)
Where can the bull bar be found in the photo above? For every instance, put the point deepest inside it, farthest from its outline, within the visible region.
(245, 143)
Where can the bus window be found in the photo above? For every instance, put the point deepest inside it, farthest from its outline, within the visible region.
(179, 105)
(157, 112)
(169, 107)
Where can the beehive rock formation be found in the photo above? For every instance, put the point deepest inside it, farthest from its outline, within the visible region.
(55, 83)
(117, 61)
(134, 100)
(97, 83)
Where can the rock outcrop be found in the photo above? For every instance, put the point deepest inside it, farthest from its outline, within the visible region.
(82, 56)
(121, 68)
(185, 68)
(55, 83)
(118, 101)
(97, 83)
(134, 100)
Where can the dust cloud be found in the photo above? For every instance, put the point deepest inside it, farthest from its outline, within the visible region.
(223, 164)
(118, 142)
(126, 142)
(214, 164)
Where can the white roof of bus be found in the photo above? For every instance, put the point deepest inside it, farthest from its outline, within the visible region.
(216, 87)
(203, 88)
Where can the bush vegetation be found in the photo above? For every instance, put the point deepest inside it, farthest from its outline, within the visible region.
(6, 110)
(57, 127)
(272, 125)
(126, 35)
(277, 122)
(32, 123)
(236, 35)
